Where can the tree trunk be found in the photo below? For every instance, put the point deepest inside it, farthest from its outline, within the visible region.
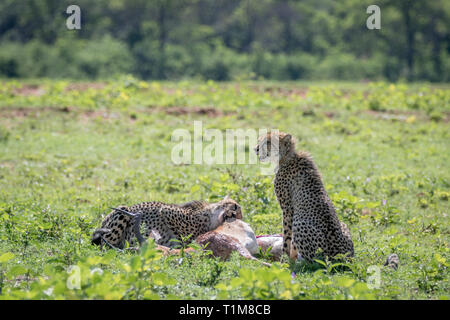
(410, 35)
(162, 37)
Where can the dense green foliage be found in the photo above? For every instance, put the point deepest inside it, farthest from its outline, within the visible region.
(71, 150)
(226, 39)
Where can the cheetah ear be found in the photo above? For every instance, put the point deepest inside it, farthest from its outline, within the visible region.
(227, 197)
(287, 138)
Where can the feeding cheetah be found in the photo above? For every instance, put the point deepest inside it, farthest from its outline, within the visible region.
(164, 222)
(309, 218)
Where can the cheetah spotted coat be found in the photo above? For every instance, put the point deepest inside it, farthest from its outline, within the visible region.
(165, 222)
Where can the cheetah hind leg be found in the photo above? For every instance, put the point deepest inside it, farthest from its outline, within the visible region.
(310, 245)
(163, 236)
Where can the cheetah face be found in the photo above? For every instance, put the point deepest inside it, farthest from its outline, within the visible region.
(225, 210)
(272, 146)
(263, 149)
(98, 234)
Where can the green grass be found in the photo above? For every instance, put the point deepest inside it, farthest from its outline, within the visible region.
(69, 151)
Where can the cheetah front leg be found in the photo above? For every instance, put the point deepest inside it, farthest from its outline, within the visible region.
(293, 254)
(284, 199)
(287, 230)
(287, 227)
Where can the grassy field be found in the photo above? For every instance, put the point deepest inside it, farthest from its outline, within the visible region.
(71, 150)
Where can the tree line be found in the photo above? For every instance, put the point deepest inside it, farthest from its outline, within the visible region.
(226, 39)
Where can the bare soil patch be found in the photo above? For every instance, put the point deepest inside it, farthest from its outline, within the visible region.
(397, 115)
(17, 113)
(282, 91)
(22, 112)
(29, 90)
(83, 86)
(206, 111)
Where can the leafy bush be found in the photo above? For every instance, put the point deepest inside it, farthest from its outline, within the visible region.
(68, 58)
(105, 57)
(348, 67)
(279, 283)
(90, 278)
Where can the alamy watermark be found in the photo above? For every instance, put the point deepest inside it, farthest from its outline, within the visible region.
(374, 278)
(232, 146)
(74, 278)
(374, 20)
(73, 22)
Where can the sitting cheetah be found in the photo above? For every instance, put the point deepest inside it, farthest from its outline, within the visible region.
(309, 218)
(164, 222)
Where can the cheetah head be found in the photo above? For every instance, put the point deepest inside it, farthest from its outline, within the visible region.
(98, 235)
(109, 231)
(225, 210)
(105, 236)
(274, 146)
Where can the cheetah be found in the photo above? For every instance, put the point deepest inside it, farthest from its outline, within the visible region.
(164, 222)
(310, 223)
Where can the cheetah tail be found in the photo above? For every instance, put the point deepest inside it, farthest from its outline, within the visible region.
(392, 261)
